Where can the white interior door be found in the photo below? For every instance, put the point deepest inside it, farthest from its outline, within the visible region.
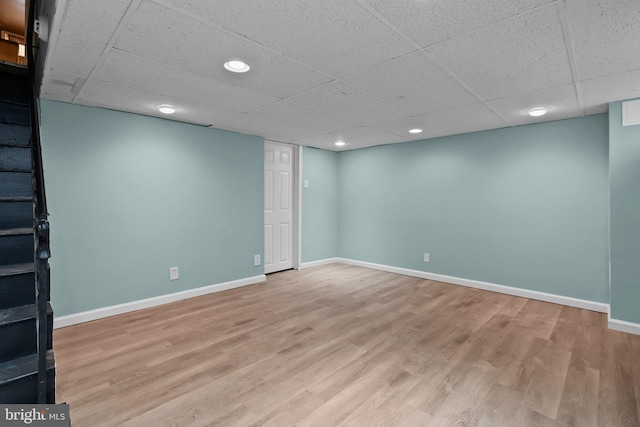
(278, 201)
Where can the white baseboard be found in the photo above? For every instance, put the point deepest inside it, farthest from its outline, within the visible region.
(319, 263)
(99, 313)
(624, 326)
(526, 293)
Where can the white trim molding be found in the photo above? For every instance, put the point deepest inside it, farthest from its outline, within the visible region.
(319, 263)
(100, 313)
(298, 190)
(525, 293)
(624, 326)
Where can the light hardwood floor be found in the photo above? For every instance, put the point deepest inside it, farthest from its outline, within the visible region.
(348, 346)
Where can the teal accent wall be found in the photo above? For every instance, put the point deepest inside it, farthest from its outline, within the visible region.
(131, 196)
(525, 207)
(319, 204)
(624, 176)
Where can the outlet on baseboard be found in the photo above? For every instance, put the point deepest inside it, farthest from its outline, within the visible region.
(256, 260)
(174, 274)
(426, 257)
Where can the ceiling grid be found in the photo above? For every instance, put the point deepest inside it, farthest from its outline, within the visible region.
(363, 71)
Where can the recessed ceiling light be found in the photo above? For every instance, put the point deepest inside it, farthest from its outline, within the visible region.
(166, 108)
(340, 143)
(236, 66)
(416, 130)
(537, 112)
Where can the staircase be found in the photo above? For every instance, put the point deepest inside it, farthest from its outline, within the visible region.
(27, 366)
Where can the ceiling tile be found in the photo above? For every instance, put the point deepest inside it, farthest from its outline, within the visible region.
(340, 99)
(402, 126)
(269, 129)
(605, 35)
(414, 83)
(561, 102)
(433, 21)
(327, 142)
(107, 95)
(149, 35)
(511, 54)
(129, 70)
(336, 36)
(520, 55)
(299, 115)
(597, 93)
(75, 56)
(468, 118)
(94, 20)
(596, 109)
(63, 86)
(370, 135)
(55, 97)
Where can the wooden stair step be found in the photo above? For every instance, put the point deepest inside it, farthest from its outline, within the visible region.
(17, 248)
(23, 367)
(16, 214)
(18, 327)
(16, 231)
(14, 76)
(12, 94)
(14, 114)
(15, 135)
(16, 199)
(13, 270)
(17, 285)
(17, 314)
(15, 184)
(15, 159)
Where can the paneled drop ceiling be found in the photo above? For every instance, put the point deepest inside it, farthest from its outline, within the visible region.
(363, 71)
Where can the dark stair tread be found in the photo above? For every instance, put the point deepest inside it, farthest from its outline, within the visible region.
(15, 184)
(23, 367)
(16, 214)
(12, 270)
(15, 169)
(18, 314)
(16, 159)
(16, 199)
(13, 99)
(14, 114)
(16, 231)
(13, 92)
(16, 172)
(17, 73)
(15, 135)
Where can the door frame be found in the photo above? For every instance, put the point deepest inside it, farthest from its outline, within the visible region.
(296, 203)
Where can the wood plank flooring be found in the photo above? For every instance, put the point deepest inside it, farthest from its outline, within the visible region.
(340, 345)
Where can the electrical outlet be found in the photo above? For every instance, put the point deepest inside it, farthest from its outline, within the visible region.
(174, 274)
(426, 257)
(306, 183)
(256, 260)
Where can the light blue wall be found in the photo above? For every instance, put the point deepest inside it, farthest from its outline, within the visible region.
(131, 196)
(523, 207)
(624, 175)
(319, 204)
